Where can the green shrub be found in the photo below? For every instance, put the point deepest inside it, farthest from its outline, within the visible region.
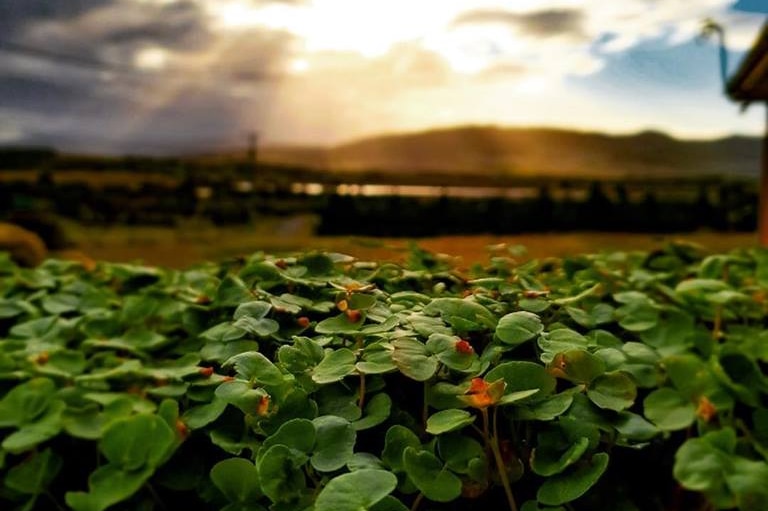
(632, 381)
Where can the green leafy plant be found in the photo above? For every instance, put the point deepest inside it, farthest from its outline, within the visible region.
(320, 382)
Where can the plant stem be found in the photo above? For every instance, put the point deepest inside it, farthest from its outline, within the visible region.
(486, 432)
(50, 496)
(718, 323)
(500, 461)
(155, 496)
(361, 400)
(417, 501)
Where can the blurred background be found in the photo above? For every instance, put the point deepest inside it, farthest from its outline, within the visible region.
(177, 131)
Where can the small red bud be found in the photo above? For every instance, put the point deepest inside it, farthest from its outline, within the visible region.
(205, 371)
(280, 263)
(182, 429)
(263, 407)
(353, 315)
(464, 347)
(303, 321)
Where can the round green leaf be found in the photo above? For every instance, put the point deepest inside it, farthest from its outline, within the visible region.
(413, 359)
(638, 316)
(547, 461)
(376, 411)
(298, 434)
(280, 473)
(397, 439)
(612, 391)
(430, 476)
(335, 366)
(634, 427)
(254, 366)
(108, 485)
(520, 375)
(334, 443)
(448, 420)
(518, 327)
(356, 491)
(138, 441)
(339, 324)
(33, 475)
(669, 410)
(578, 366)
(572, 484)
(238, 480)
(699, 465)
(458, 451)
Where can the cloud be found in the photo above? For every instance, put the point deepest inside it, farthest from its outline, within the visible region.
(15, 16)
(153, 73)
(542, 23)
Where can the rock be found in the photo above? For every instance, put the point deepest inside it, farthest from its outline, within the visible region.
(25, 247)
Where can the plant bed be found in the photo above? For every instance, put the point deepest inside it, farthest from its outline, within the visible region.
(632, 381)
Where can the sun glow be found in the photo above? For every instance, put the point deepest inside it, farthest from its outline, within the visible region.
(151, 59)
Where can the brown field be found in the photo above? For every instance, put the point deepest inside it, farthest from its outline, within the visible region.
(193, 244)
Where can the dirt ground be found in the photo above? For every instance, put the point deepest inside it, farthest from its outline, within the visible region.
(193, 244)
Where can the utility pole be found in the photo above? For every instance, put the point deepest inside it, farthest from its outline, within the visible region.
(253, 137)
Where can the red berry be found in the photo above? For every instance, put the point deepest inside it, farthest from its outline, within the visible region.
(205, 371)
(303, 321)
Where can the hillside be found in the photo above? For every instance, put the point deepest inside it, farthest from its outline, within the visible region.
(527, 152)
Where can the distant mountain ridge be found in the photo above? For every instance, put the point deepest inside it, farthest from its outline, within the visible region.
(495, 150)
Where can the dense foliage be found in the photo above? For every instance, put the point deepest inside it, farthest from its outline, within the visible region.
(620, 381)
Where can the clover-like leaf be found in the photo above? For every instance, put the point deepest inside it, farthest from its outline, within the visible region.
(578, 366)
(430, 476)
(521, 375)
(572, 484)
(279, 469)
(517, 327)
(335, 441)
(396, 441)
(255, 367)
(335, 366)
(413, 359)
(612, 391)
(669, 410)
(357, 491)
(238, 480)
(136, 442)
(448, 420)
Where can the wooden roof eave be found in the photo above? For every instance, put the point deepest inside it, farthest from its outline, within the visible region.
(750, 82)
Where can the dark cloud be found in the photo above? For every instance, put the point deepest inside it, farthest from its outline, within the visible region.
(176, 25)
(68, 76)
(543, 23)
(16, 15)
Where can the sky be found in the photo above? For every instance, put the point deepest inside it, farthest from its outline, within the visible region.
(165, 76)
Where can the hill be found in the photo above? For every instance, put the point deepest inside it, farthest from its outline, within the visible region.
(532, 152)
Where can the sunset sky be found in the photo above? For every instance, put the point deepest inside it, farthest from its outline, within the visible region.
(165, 76)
